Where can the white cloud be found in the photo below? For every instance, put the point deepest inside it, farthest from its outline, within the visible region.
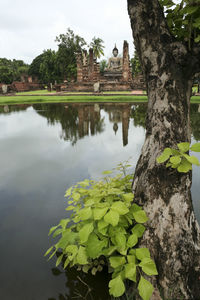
(27, 28)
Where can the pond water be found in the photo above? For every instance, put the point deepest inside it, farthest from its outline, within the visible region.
(46, 148)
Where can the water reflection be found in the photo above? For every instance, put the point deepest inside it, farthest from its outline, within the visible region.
(45, 148)
(83, 286)
(80, 120)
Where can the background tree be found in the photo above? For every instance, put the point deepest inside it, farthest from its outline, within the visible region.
(69, 45)
(168, 48)
(97, 45)
(34, 69)
(47, 69)
(11, 70)
(135, 65)
(103, 65)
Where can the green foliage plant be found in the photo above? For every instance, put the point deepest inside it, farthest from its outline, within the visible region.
(179, 158)
(104, 229)
(183, 18)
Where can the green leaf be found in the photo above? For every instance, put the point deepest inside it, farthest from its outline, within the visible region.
(57, 232)
(116, 261)
(76, 196)
(142, 253)
(192, 159)
(117, 287)
(58, 261)
(52, 254)
(135, 208)
(128, 197)
(82, 256)
(68, 192)
(84, 183)
(130, 271)
(94, 246)
(112, 217)
(120, 240)
(71, 249)
(185, 166)
(70, 207)
(140, 216)
(195, 147)
(120, 207)
(106, 172)
(85, 232)
(102, 227)
(131, 259)
(85, 213)
(52, 229)
(175, 159)
(64, 223)
(184, 147)
(190, 9)
(138, 229)
(67, 261)
(132, 240)
(48, 251)
(99, 213)
(145, 289)
(109, 251)
(197, 40)
(148, 266)
(164, 156)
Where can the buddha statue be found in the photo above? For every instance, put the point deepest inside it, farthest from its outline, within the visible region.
(115, 62)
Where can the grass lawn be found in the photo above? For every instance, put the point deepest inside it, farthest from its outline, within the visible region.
(76, 98)
(38, 98)
(42, 92)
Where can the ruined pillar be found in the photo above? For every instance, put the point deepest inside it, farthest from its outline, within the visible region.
(125, 124)
(79, 63)
(126, 64)
(91, 65)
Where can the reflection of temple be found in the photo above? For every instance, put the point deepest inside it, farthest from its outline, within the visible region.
(79, 120)
(88, 116)
(120, 113)
(117, 76)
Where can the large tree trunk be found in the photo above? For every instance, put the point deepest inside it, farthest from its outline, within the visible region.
(172, 235)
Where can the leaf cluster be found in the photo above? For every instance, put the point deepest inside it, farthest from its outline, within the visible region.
(104, 229)
(183, 19)
(179, 158)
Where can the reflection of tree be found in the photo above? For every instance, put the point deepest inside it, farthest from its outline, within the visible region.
(195, 121)
(7, 109)
(139, 115)
(83, 286)
(76, 120)
(139, 118)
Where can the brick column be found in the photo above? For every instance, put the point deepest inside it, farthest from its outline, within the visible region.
(79, 63)
(126, 64)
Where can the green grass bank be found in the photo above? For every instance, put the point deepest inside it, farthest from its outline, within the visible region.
(31, 99)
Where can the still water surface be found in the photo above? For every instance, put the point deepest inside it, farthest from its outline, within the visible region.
(44, 150)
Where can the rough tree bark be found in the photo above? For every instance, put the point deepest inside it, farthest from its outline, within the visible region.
(173, 234)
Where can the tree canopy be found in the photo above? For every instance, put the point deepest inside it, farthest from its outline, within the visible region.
(11, 70)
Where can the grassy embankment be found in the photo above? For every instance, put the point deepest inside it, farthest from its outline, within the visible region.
(45, 97)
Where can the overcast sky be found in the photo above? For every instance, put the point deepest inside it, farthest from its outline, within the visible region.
(29, 27)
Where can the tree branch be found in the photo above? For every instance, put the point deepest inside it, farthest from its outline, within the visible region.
(158, 49)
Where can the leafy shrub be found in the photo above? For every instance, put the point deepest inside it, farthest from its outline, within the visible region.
(104, 229)
(179, 159)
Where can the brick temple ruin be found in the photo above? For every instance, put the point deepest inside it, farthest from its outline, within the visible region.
(116, 77)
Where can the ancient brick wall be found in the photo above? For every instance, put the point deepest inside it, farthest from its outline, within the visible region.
(26, 86)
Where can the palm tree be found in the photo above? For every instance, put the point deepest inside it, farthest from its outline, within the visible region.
(97, 45)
